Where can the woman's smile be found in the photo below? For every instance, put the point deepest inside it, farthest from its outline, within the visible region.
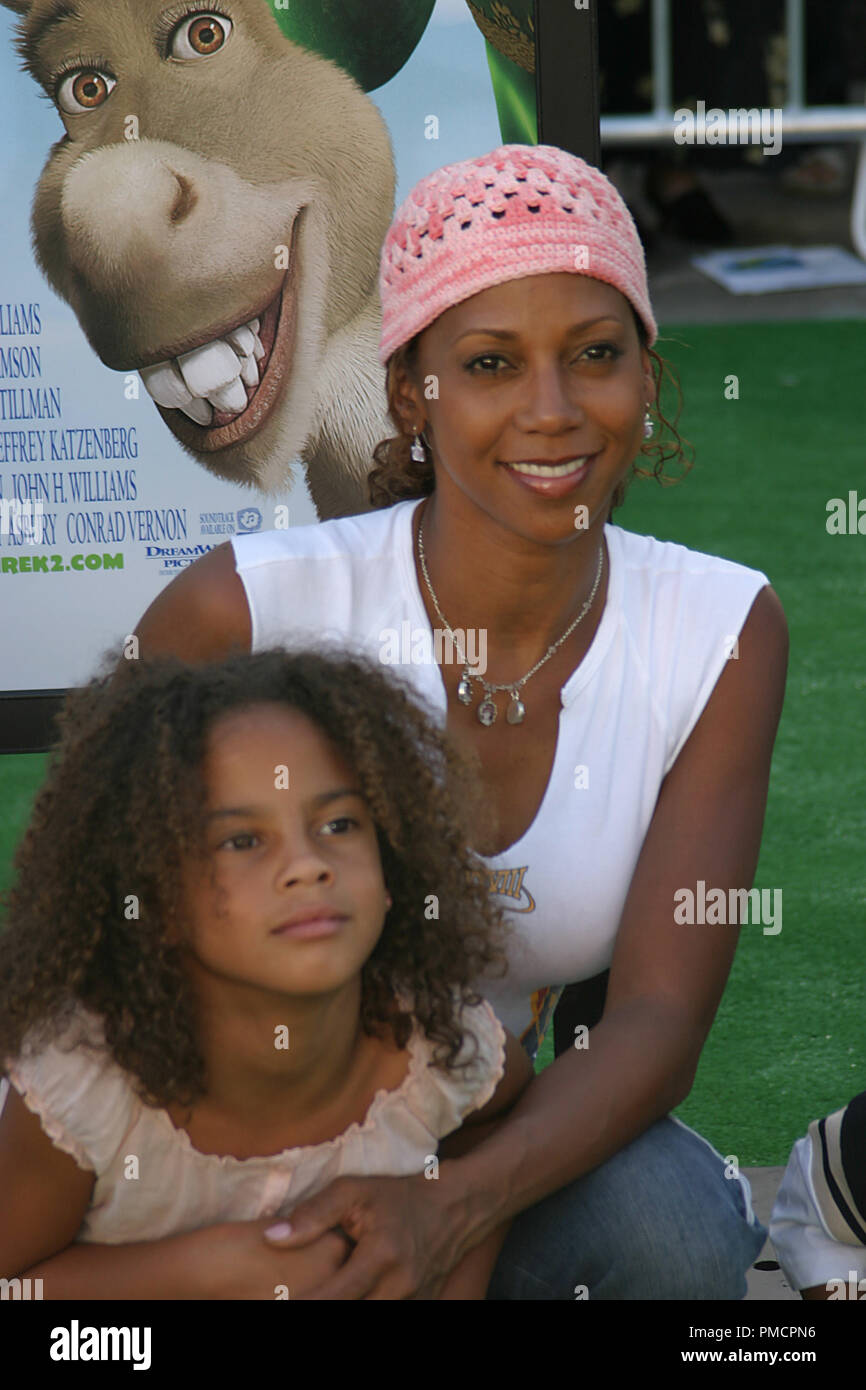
(551, 480)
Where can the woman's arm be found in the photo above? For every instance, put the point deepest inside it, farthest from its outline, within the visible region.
(666, 981)
(201, 615)
(471, 1277)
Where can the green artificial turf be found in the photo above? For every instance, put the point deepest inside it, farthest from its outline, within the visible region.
(789, 1042)
(20, 777)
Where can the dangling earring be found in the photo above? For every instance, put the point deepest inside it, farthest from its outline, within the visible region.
(417, 450)
(648, 426)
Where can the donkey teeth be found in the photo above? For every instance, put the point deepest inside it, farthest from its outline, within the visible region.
(232, 398)
(209, 377)
(242, 340)
(249, 372)
(199, 411)
(166, 386)
(209, 368)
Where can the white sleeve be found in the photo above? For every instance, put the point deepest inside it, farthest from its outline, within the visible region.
(83, 1100)
(808, 1253)
(443, 1099)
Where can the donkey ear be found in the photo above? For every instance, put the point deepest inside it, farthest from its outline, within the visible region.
(371, 52)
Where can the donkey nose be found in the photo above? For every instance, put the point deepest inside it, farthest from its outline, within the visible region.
(121, 202)
(185, 201)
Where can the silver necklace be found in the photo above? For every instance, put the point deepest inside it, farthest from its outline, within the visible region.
(487, 710)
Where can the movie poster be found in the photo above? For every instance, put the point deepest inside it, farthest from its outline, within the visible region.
(193, 206)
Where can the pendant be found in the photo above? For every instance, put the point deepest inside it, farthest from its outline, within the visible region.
(516, 709)
(464, 690)
(487, 712)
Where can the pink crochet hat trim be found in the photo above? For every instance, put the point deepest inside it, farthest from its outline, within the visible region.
(520, 210)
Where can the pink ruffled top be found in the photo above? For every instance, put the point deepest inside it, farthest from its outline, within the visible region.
(88, 1107)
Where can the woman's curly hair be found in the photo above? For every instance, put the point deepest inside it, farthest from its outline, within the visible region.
(95, 915)
(397, 477)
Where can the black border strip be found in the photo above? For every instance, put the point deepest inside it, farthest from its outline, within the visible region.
(27, 720)
(566, 78)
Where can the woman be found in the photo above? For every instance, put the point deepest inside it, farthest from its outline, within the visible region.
(626, 756)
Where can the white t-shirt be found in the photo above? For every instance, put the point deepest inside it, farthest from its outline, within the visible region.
(670, 622)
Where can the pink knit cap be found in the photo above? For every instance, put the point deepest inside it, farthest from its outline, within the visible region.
(520, 210)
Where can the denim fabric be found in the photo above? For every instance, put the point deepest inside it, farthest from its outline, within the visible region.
(658, 1220)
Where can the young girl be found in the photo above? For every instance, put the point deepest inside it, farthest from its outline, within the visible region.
(237, 963)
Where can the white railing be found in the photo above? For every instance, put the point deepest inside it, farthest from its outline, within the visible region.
(798, 122)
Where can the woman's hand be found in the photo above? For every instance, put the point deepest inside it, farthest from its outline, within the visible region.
(407, 1236)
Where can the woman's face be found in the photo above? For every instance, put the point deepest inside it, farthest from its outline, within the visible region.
(537, 370)
(287, 833)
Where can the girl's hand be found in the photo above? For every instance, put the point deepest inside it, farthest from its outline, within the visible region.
(407, 1238)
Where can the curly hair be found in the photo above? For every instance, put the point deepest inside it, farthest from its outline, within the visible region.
(397, 477)
(95, 917)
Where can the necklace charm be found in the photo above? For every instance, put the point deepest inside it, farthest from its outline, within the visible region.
(464, 690)
(487, 712)
(516, 709)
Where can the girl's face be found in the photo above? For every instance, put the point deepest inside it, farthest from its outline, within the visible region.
(288, 834)
(542, 369)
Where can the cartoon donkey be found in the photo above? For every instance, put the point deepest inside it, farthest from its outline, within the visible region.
(214, 216)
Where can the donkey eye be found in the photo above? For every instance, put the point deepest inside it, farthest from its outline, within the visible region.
(199, 36)
(84, 90)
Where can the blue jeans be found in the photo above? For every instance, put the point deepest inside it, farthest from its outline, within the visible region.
(658, 1220)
